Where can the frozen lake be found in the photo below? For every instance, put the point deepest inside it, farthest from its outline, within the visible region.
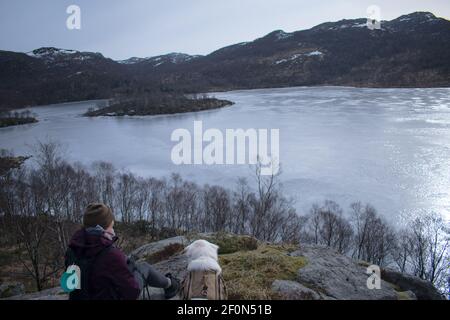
(389, 147)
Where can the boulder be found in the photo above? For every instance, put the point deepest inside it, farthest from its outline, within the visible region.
(153, 248)
(292, 290)
(336, 276)
(422, 289)
(177, 266)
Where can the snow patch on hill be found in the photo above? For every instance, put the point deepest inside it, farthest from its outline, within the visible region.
(299, 56)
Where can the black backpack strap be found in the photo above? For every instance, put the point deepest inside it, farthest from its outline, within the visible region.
(71, 258)
(85, 265)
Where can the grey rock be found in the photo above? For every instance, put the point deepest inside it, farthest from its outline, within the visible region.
(422, 289)
(48, 294)
(150, 293)
(176, 265)
(153, 247)
(336, 276)
(291, 290)
(9, 289)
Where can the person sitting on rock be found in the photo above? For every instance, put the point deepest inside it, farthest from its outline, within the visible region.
(106, 273)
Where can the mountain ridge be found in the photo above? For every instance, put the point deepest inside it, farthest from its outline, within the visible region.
(409, 51)
(357, 22)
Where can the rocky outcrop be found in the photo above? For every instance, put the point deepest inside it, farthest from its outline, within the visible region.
(292, 290)
(325, 274)
(334, 276)
(421, 289)
(158, 246)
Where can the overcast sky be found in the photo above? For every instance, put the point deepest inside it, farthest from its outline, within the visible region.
(122, 29)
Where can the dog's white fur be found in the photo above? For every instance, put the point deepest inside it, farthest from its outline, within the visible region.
(202, 256)
(204, 264)
(201, 248)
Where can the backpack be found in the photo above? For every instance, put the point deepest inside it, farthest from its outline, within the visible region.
(203, 285)
(85, 265)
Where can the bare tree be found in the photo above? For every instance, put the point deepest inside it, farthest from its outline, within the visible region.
(326, 226)
(173, 202)
(374, 240)
(402, 250)
(41, 261)
(156, 204)
(217, 208)
(126, 196)
(360, 218)
(263, 202)
(429, 255)
(292, 228)
(242, 198)
(105, 179)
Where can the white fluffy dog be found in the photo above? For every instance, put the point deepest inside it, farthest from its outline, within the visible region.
(202, 256)
(204, 280)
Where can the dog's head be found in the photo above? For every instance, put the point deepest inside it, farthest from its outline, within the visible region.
(204, 264)
(201, 248)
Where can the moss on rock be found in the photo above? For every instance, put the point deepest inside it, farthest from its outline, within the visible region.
(405, 295)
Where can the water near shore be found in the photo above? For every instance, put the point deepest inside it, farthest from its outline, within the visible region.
(389, 147)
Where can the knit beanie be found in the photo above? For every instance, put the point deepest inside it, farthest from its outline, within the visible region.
(97, 214)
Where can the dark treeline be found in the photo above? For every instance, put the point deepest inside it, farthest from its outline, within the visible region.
(41, 205)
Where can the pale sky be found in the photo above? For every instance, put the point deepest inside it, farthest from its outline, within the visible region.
(142, 28)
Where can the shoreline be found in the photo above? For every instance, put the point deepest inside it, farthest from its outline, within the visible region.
(237, 90)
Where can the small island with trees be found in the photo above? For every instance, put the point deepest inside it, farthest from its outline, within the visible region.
(156, 104)
(13, 118)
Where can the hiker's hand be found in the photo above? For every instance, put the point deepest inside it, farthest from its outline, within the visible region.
(131, 262)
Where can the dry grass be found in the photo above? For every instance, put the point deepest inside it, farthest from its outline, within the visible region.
(403, 295)
(228, 243)
(249, 274)
(164, 254)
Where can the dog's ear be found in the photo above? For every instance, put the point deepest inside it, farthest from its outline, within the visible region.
(187, 250)
(191, 248)
(215, 246)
